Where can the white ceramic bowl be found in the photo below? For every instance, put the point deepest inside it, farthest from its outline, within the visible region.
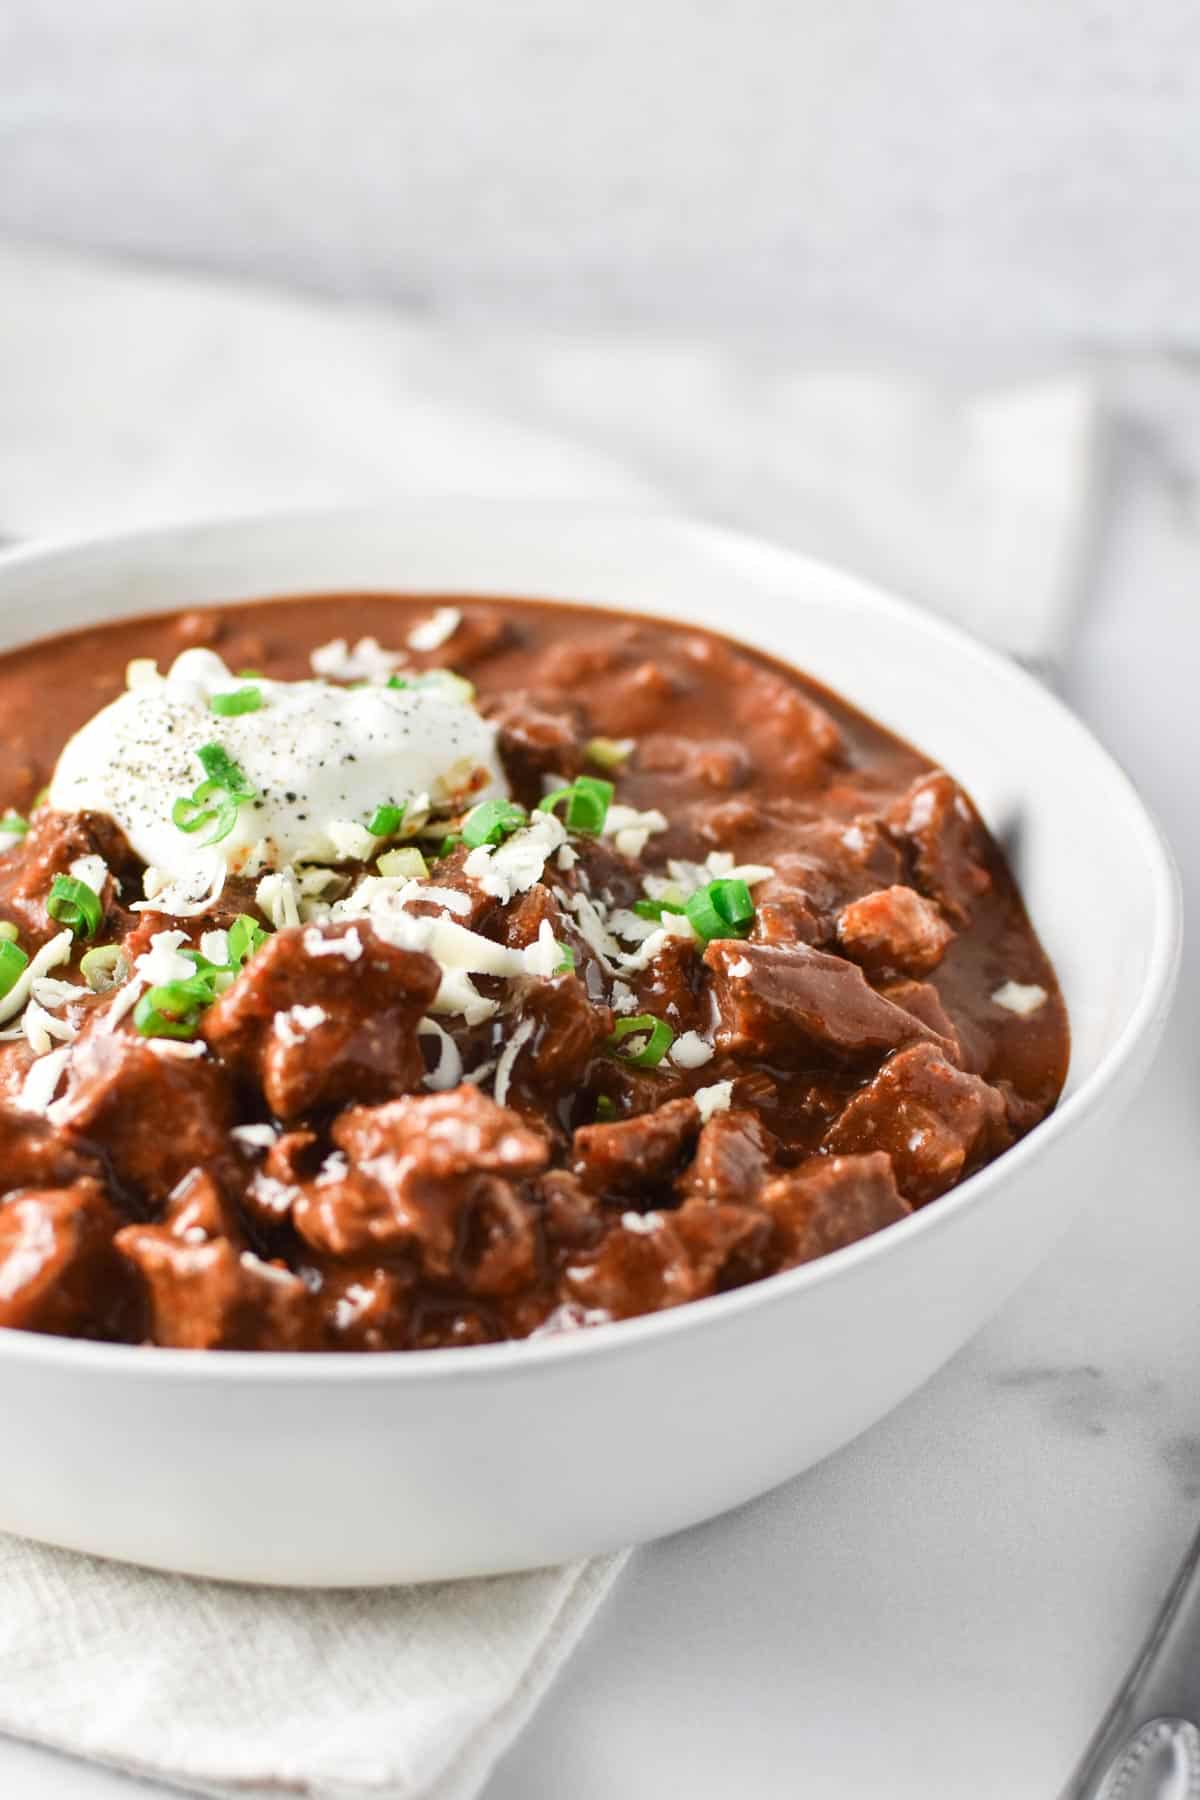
(323, 1470)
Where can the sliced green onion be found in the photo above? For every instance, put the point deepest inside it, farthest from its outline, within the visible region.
(210, 978)
(75, 904)
(219, 766)
(396, 681)
(216, 801)
(605, 1110)
(588, 799)
(13, 963)
(249, 674)
(8, 931)
(723, 909)
(658, 1034)
(195, 813)
(409, 863)
(609, 753)
(448, 846)
(245, 936)
(174, 1010)
(386, 821)
(566, 959)
(654, 909)
(105, 967)
(491, 822)
(14, 825)
(242, 700)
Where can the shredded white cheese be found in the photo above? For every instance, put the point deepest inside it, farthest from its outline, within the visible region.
(92, 871)
(504, 870)
(630, 830)
(171, 1048)
(41, 1028)
(255, 1137)
(350, 840)
(691, 1051)
(162, 963)
(277, 896)
(41, 1083)
(447, 1072)
(432, 633)
(367, 661)
(349, 945)
(508, 1059)
(293, 1026)
(214, 947)
(642, 1224)
(192, 894)
(1017, 998)
(50, 956)
(544, 956)
(672, 925)
(714, 1099)
(52, 994)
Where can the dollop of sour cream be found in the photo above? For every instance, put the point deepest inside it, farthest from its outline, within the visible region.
(321, 760)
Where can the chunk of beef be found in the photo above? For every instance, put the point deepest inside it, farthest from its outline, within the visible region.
(365, 1307)
(935, 1122)
(573, 664)
(947, 843)
(414, 1173)
(450, 874)
(726, 1244)
(58, 1270)
(324, 1015)
(786, 732)
(538, 736)
(442, 1135)
(727, 824)
(154, 1116)
(479, 634)
(496, 1249)
(777, 1003)
(210, 1295)
(894, 931)
(922, 999)
(452, 1324)
(568, 1031)
(635, 1271)
(54, 841)
(733, 1157)
(715, 764)
(828, 1202)
(572, 1217)
(198, 1208)
(34, 1155)
(650, 1261)
(525, 917)
(674, 988)
(633, 1156)
(630, 701)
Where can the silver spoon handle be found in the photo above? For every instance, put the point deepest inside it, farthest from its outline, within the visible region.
(1148, 1746)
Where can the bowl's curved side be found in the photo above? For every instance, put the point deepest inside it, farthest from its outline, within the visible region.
(324, 1482)
(331, 1471)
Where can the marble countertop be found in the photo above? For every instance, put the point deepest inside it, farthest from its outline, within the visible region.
(945, 1607)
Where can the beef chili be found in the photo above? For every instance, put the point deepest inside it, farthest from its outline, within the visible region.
(501, 969)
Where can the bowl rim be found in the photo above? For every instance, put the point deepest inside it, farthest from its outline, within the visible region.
(537, 1355)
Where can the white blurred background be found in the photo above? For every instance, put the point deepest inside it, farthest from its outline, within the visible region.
(910, 283)
(924, 176)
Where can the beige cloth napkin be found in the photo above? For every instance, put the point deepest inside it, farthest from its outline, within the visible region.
(131, 397)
